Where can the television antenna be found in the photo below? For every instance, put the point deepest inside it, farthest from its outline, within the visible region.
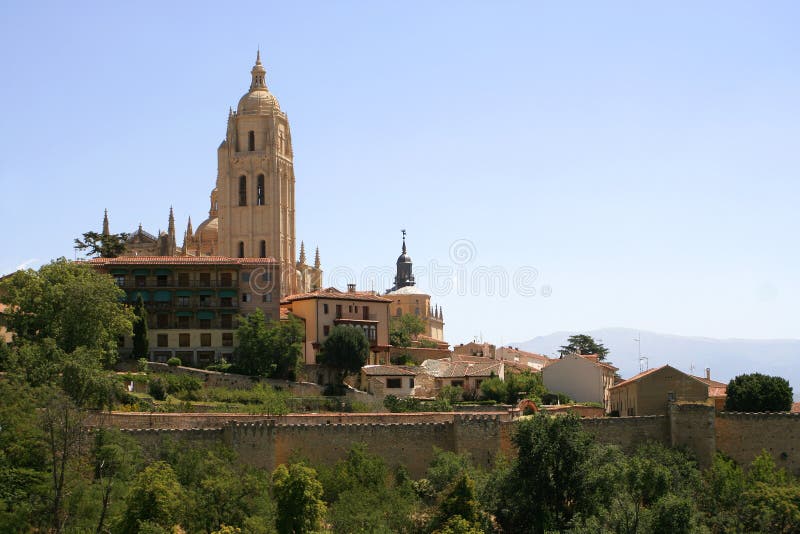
(644, 363)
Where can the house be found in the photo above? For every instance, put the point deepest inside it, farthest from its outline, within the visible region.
(323, 309)
(583, 377)
(473, 348)
(530, 359)
(383, 380)
(649, 392)
(467, 375)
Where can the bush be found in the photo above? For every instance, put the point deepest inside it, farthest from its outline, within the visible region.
(141, 365)
(174, 362)
(758, 393)
(451, 394)
(156, 389)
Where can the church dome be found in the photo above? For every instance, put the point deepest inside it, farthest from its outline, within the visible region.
(258, 100)
(208, 230)
(404, 258)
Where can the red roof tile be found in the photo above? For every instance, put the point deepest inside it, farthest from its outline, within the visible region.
(179, 260)
(333, 293)
(388, 370)
(796, 407)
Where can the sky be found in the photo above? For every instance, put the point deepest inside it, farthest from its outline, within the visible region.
(557, 166)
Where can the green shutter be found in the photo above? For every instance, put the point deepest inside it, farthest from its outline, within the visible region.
(206, 292)
(162, 296)
(183, 314)
(141, 271)
(163, 272)
(227, 293)
(183, 293)
(119, 271)
(205, 314)
(134, 295)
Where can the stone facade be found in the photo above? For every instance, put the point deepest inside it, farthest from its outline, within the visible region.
(581, 377)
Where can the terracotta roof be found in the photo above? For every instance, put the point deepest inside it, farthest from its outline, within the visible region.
(715, 388)
(388, 370)
(445, 368)
(796, 407)
(178, 260)
(636, 377)
(595, 359)
(333, 293)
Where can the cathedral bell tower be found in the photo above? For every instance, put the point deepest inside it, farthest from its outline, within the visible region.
(255, 181)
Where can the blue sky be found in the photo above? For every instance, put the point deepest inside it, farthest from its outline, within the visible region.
(642, 160)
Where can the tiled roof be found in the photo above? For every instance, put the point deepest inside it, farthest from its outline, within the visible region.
(388, 370)
(179, 260)
(796, 407)
(333, 293)
(715, 388)
(636, 377)
(445, 368)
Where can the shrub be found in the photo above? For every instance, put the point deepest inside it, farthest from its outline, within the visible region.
(156, 389)
(174, 362)
(141, 365)
(451, 394)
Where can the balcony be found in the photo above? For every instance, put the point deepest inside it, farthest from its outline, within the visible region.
(151, 283)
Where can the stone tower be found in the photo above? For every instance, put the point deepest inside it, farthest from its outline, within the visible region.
(255, 181)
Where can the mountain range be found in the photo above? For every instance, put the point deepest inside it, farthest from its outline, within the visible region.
(726, 358)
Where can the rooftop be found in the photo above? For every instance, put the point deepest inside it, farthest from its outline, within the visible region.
(178, 260)
(333, 293)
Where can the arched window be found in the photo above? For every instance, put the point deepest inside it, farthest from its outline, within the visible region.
(241, 249)
(251, 140)
(399, 312)
(260, 190)
(243, 190)
(263, 249)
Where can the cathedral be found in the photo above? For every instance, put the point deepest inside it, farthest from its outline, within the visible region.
(252, 209)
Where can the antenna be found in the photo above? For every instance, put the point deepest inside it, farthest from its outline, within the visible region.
(644, 363)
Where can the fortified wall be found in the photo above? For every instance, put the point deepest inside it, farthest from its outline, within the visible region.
(409, 439)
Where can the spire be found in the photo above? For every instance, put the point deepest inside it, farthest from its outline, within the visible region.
(189, 229)
(171, 227)
(317, 263)
(105, 223)
(404, 240)
(302, 253)
(405, 274)
(259, 74)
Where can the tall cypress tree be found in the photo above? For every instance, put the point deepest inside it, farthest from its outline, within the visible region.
(141, 345)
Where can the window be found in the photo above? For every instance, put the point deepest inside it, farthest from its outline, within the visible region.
(338, 311)
(241, 249)
(263, 249)
(183, 322)
(325, 309)
(119, 279)
(394, 383)
(161, 280)
(141, 280)
(183, 279)
(227, 339)
(350, 309)
(398, 312)
(246, 297)
(411, 383)
(205, 324)
(260, 190)
(183, 301)
(267, 276)
(162, 340)
(183, 340)
(245, 277)
(326, 330)
(457, 383)
(162, 320)
(205, 340)
(243, 190)
(671, 396)
(266, 297)
(225, 280)
(226, 302)
(205, 279)
(227, 320)
(205, 300)
(251, 140)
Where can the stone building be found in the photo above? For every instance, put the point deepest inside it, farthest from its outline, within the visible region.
(407, 299)
(583, 377)
(193, 301)
(252, 206)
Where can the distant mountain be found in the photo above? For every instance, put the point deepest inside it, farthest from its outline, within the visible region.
(725, 357)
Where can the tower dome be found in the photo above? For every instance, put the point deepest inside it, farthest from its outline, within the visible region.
(258, 100)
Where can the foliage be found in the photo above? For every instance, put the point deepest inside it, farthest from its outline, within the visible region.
(404, 329)
(298, 495)
(345, 350)
(87, 384)
(141, 345)
(69, 303)
(556, 398)
(397, 404)
(460, 501)
(583, 344)
(272, 349)
(515, 387)
(155, 496)
(174, 362)
(102, 245)
(157, 389)
(451, 394)
(758, 393)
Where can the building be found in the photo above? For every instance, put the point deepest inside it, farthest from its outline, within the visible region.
(649, 392)
(192, 301)
(407, 299)
(584, 378)
(323, 309)
(530, 359)
(473, 348)
(383, 380)
(467, 375)
(252, 211)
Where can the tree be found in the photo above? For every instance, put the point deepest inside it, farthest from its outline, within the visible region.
(404, 329)
(70, 303)
(141, 344)
(155, 496)
(103, 245)
(345, 350)
(298, 494)
(758, 393)
(583, 344)
(269, 349)
(460, 502)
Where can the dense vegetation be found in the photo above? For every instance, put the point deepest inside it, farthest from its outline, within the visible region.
(758, 393)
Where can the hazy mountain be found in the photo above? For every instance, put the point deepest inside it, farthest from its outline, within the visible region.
(726, 357)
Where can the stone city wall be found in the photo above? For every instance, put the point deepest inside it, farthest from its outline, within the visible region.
(742, 436)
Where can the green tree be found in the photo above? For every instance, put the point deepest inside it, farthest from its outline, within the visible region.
(460, 501)
(155, 497)
(115, 458)
(70, 303)
(583, 344)
(269, 349)
(758, 393)
(141, 343)
(404, 329)
(345, 350)
(298, 495)
(102, 245)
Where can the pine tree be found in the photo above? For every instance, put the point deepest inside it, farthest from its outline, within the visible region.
(141, 346)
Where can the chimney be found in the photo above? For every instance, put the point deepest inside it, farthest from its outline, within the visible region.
(708, 373)
(351, 288)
